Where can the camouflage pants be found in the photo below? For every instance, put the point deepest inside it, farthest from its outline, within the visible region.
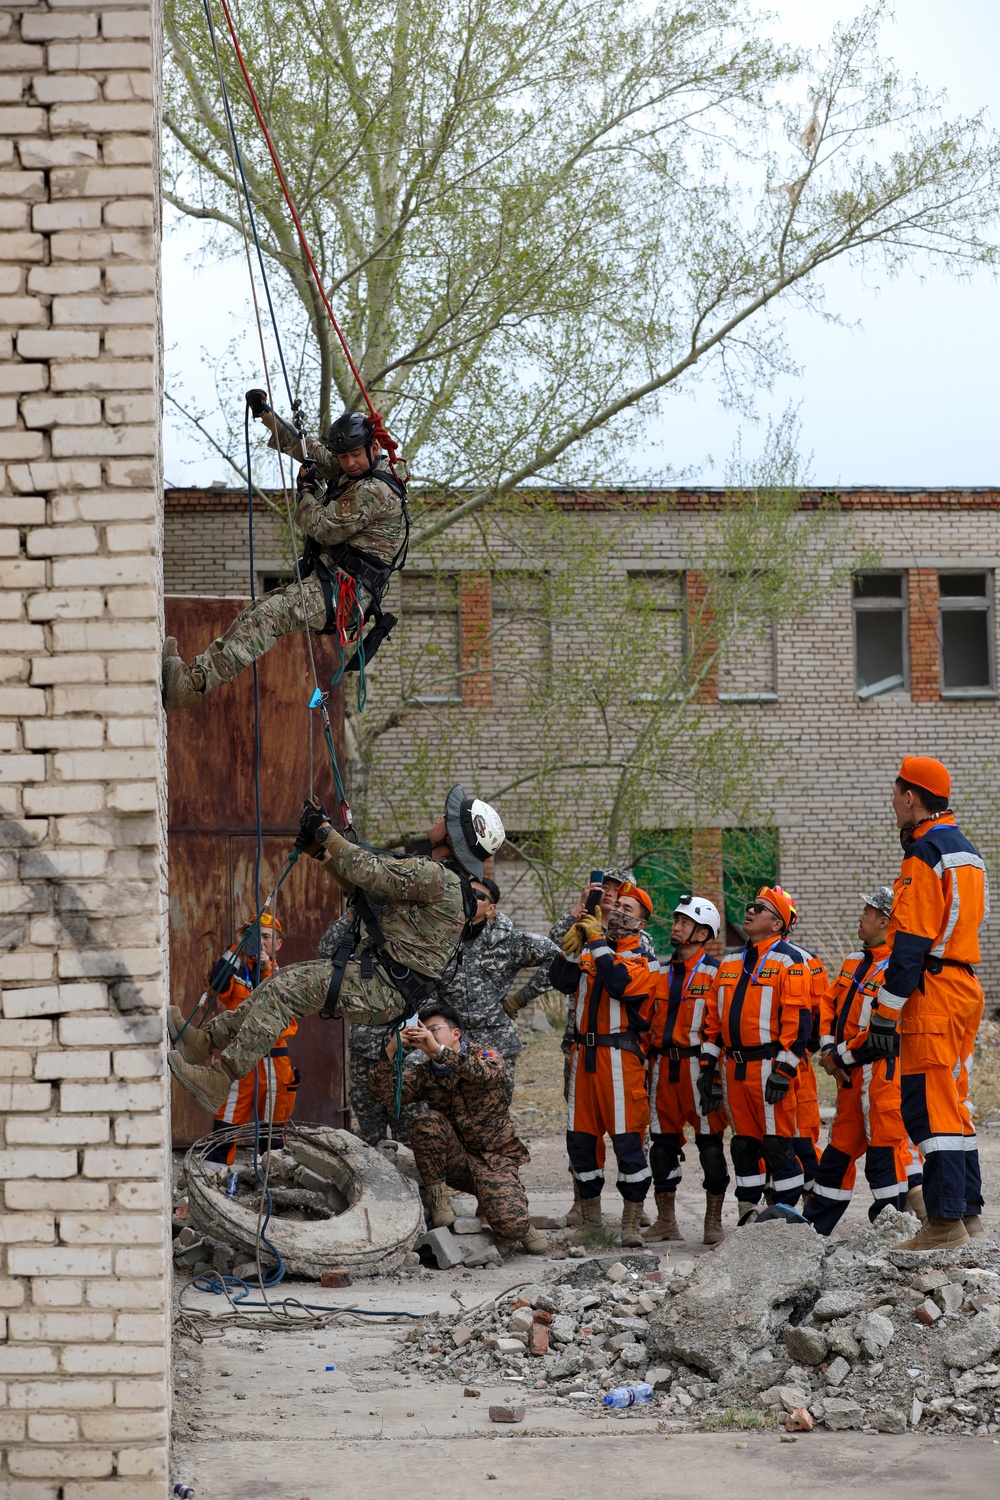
(248, 1033)
(256, 628)
(374, 1120)
(492, 1178)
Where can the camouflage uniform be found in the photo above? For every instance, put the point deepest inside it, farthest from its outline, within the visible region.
(483, 978)
(366, 512)
(422, 915)
(466, 1138)
(557, 932)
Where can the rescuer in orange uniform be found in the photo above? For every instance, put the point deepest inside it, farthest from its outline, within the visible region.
(931, 989)
(267, 1093)
(868, 1122)
(607, 1081)
(807, 1118)
(757, 1021)
(679, 996)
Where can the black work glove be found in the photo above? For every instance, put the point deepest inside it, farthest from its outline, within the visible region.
(312, 818)
(776, 1087)
(709, 1091)
(307, 482)
(882, 1034)
(257, 402)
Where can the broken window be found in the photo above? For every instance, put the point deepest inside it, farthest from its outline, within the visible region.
(966, 634)
(880, 660)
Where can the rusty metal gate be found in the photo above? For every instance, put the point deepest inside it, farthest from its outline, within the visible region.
(212, 840)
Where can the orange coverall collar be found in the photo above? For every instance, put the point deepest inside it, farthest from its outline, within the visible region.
(625, 944)
(944, 820)
(879, 951)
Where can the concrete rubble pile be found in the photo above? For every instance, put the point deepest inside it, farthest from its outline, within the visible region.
(776, 1321)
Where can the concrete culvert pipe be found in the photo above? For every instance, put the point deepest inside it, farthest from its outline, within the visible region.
(336, 1201)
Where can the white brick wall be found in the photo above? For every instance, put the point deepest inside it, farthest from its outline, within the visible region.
(83, 1274)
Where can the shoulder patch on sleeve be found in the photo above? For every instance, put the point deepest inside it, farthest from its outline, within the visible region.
(487, 1054)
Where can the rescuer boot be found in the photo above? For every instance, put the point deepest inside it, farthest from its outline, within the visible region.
(665, 1227)
(575, 1215)
(916, 1205)
(973, 1226)
(194, 1046)
(209, 1085)
(590, 1217)
(534, 1242)
(713, 1233)
(747, 1212)
(937, 1234)
(179, 686)
(631, 1218)
(441, 1212)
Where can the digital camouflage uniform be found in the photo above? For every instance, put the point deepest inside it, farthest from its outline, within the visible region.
(366, 512)
(466, 1137)
(557, 932)
(422, 915)
(482, 980)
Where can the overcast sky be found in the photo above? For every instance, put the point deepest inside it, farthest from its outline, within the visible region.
(907, 397)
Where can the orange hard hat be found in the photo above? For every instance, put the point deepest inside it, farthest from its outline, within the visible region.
(776, 897)
(266, 920)
(928, 774)
(791, 901)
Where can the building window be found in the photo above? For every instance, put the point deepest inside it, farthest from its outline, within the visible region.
(748, 663)
(966, 634)
(749, 860)
(520, 637)
(661, 859)
(428, 655)
(880, 633)
(655, 602)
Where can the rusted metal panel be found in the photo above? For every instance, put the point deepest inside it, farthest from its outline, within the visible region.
(212, 841)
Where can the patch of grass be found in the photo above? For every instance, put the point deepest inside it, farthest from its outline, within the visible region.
(599, 1234)
(986, 1073)
(538, 1104)
(738, 1419)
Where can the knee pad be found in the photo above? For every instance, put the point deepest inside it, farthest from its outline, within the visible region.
(664, 1155)
(746, 1153)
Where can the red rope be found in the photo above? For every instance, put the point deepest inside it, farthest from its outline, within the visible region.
(380, 433)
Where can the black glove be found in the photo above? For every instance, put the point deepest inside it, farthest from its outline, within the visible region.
(307, 482)
(312, 818)
(776, 1087)
(257, 402)
(882, 1034)
(709, 1091)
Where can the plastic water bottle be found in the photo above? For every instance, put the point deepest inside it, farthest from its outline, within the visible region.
(629, 1395)
(232, 1185)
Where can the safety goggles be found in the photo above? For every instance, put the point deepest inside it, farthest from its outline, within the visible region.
(756, 907)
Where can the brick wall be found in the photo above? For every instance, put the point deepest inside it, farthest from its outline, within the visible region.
(476, 653)
(925, 656)
(83, 1282)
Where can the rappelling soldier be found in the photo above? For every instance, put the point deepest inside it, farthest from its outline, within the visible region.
(388, 965)
(351, 507)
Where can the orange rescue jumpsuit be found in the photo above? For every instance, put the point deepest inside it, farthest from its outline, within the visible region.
(679, 995)
(758, 1019)
(807, 1120)
(868, 1121)
(941, 901)
(607, 1080)
(267, 1093)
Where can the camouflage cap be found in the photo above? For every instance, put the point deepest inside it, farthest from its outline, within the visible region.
(880, 899)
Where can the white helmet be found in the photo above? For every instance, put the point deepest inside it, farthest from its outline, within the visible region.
(700, 910)
(475, 830)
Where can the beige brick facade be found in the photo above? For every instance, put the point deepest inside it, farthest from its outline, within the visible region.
(84, 1277)
(835, 753)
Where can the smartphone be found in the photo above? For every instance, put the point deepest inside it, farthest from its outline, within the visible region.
(597, 877)
(413, 1020)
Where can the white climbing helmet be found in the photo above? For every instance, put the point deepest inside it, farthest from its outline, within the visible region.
(475, 830)
(700, 910)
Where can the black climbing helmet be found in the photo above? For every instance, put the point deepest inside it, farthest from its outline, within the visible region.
(350, 432)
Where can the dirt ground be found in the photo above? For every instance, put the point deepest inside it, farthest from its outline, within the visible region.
(300, 1414)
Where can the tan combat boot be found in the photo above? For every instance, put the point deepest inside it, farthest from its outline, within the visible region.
(439, 1204)
(179, 687)
(665, 1227)
(534, 1242)
(713, 1233)
(631, 1219)
(575, 1215)
(937, 1234)
(591, 1217)
(915, 1203)
(973, 1226)
(194, 1046)
(209, 1085)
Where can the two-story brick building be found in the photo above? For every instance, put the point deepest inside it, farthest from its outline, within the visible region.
(898, 657)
